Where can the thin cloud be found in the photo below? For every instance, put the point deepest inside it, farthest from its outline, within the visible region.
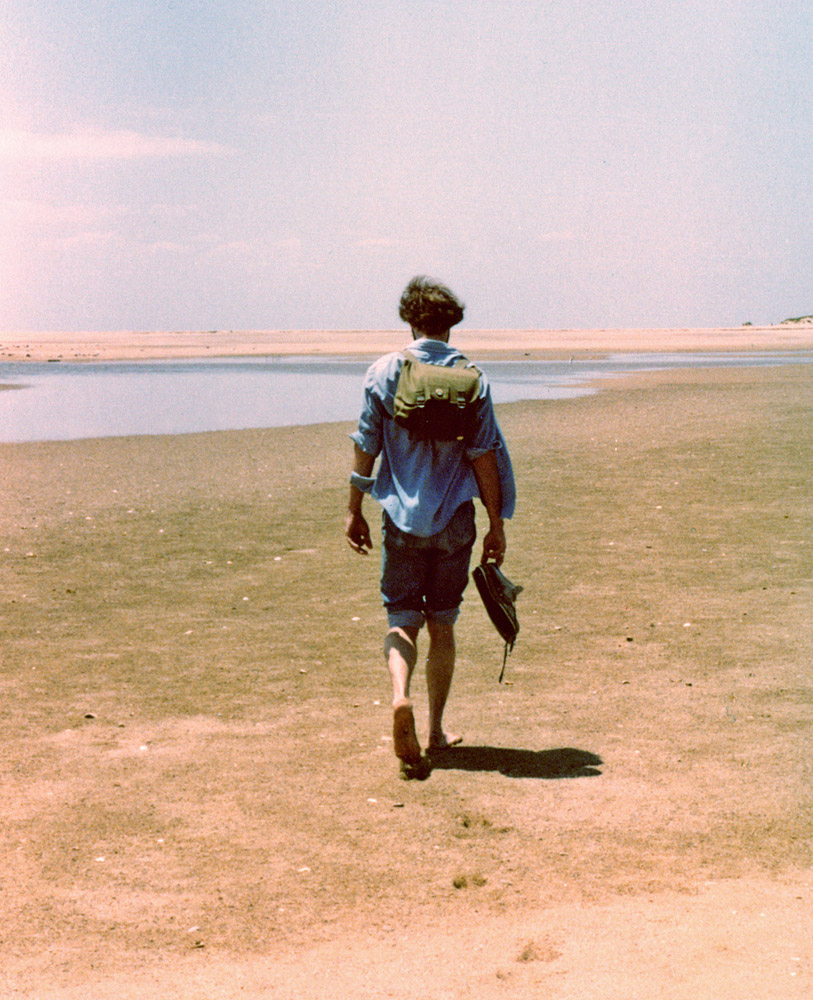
(88, 239)
(99, 145)
(257, 254)
(217, 248)
(167, 246)
(378, 242)
(27, 213)
(171, 212)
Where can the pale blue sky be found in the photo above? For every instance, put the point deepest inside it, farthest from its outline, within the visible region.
(235, 164)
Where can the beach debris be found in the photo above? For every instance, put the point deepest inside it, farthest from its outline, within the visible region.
(463, 881)
(355, 619)
(535, 951)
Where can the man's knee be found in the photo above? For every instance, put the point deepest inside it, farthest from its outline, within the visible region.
(441, 633)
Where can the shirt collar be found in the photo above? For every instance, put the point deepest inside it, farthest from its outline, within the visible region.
(430, 346)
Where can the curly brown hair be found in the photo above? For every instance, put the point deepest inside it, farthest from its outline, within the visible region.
(429, 307)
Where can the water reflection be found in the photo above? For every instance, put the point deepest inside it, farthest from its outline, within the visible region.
(102, 399)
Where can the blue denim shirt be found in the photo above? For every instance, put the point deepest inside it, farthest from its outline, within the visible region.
(420, 484)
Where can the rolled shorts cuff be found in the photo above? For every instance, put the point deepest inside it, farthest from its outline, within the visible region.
(405, 619)
(416, 619)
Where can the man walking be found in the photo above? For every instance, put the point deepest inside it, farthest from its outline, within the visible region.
(426, 487)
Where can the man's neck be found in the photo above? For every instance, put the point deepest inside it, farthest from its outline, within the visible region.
(442, 338)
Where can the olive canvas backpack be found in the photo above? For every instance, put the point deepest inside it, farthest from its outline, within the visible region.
(435, 402)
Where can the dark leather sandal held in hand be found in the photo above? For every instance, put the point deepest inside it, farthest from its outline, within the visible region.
(498, 595)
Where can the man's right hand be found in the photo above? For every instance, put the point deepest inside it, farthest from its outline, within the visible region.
(357, 532)
(494, 544)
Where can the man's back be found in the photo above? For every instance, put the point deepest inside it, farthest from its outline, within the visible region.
(420, 483)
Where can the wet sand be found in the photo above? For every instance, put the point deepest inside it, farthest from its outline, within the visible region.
(199, 792)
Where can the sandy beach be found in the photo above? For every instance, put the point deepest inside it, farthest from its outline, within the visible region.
(508, 343)
(200, 795)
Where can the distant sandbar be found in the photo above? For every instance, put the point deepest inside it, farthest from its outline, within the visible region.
(126, 345)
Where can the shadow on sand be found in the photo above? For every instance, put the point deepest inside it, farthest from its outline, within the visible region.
(547, 764)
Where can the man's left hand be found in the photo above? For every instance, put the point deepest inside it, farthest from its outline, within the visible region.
(357, 532)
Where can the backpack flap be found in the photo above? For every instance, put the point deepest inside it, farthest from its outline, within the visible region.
(431, 400)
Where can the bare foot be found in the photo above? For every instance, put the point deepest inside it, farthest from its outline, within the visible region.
(444, 741)
(407, 748)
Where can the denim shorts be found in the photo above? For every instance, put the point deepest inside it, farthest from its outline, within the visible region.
(425, 577)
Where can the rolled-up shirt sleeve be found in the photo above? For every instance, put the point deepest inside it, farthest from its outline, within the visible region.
(370, 434)
(487, 437)
(363, 483)
(486, 434)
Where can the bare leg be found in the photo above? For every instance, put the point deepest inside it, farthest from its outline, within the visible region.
(401, 652)
(440, 663)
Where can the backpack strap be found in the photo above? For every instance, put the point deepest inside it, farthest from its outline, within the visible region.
(407, 355)
(459, 363)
